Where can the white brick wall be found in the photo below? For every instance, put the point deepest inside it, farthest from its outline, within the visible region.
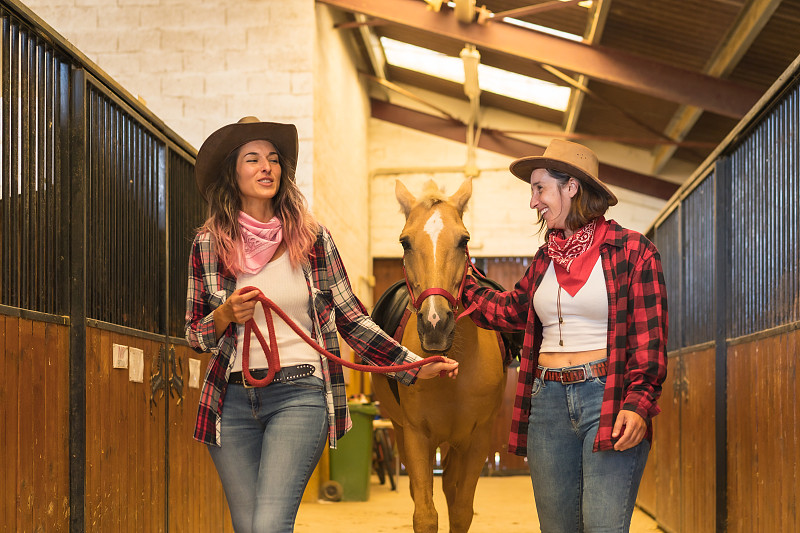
(200, 65)
(341, 112)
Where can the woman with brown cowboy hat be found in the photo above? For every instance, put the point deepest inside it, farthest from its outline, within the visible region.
(265, 441)
(594, 309)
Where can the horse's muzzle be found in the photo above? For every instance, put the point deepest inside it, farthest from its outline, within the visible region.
(436, 335)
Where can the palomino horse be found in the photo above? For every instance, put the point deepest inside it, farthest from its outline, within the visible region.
(458, 412)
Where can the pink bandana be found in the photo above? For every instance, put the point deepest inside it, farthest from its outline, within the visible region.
(260, 240)
(575, 256)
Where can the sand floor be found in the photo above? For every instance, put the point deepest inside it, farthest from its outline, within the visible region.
(502, 504)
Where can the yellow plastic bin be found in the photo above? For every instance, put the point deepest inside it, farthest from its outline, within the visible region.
(351, 461)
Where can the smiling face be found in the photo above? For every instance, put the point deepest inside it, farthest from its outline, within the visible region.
(552, 198)
(258, 174)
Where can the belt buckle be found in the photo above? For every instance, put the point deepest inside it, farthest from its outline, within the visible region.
(571, 381)
(244, 382)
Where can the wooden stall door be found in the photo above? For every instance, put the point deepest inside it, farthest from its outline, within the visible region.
(34, 433)
(125, 437)
(196, 499)
(698, 443)
(667, 447)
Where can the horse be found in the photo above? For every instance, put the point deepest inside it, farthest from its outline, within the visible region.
(430, 413)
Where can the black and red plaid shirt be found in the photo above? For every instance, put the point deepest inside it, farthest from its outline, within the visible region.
(637, 331)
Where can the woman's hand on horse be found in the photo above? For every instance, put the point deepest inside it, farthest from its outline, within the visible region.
(431, 370)
(240, 306)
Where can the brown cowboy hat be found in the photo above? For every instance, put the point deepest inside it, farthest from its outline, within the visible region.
(572, 158)
(228, 138)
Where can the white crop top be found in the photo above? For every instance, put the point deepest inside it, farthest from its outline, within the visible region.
(286, 286)
(585, 316)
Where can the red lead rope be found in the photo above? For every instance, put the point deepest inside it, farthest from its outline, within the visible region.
(272, 354)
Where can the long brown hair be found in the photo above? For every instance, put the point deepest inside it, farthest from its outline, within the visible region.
(290, 206)
(586, 205)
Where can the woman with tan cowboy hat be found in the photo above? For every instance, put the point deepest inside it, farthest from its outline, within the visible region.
(266, 441)
(594, 309)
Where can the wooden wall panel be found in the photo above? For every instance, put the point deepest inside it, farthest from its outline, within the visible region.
(666, 430)
(9, 435)
(34, 457)
(125, 439)
(763, 434)
(648, 489)
(775, 410)
(196, 498)
(698, 443)
(741, 439)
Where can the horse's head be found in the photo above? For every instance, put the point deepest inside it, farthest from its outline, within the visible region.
(434, 243)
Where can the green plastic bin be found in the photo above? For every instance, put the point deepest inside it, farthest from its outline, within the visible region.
(351, 461)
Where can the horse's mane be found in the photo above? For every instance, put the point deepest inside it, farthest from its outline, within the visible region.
(431, 195)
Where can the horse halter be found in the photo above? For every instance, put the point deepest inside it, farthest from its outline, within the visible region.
(416, 303)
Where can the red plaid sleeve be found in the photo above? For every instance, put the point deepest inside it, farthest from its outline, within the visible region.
(506, 310)
(646, 367)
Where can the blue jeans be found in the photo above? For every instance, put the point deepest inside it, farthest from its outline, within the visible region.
(577, 490)
(272, 438)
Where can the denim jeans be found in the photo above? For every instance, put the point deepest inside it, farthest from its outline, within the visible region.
(577, 490)
(272, 438)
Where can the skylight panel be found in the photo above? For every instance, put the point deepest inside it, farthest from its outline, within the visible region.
(491, 79)
(543, 29)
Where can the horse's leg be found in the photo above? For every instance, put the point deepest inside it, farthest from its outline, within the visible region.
(460, 476)
(419, 455)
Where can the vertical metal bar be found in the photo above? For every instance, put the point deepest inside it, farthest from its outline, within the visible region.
(722, 252)
(26, 169)
(62, 164)
(14, 174)
(5, 170)
(41, 152)
(77, 342)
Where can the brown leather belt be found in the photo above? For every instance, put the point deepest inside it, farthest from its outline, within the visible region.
(574, 374)
(286, 373)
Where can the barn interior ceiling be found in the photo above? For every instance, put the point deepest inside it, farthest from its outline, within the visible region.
(671, 77)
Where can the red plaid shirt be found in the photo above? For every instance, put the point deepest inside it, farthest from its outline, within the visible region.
(637, 331)
(333, 308)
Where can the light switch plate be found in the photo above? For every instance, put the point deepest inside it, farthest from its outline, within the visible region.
(120, 356)
(136, 371)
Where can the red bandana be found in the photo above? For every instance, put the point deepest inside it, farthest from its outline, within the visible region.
(575, 257)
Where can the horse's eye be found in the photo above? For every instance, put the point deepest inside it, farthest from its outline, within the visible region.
(463, 242)
(405, 244)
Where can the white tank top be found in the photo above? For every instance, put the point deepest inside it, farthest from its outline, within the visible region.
(585, 316)
(286, 286)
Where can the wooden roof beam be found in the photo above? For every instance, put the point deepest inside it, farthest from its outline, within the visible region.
(503, 144)
(592, 35)
(611, 66)
(738, 40)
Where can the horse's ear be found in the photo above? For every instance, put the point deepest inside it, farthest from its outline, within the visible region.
(405, 198)
(462, 196)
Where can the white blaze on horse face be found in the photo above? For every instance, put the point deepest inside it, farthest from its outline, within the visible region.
(433, 227)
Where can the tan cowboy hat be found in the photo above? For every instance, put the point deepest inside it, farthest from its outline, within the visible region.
(572, 158)
(228, 138)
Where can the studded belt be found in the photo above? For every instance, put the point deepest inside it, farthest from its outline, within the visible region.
(286, 373)
(574, 374)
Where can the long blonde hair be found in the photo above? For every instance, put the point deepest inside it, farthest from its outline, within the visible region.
(289, 205)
